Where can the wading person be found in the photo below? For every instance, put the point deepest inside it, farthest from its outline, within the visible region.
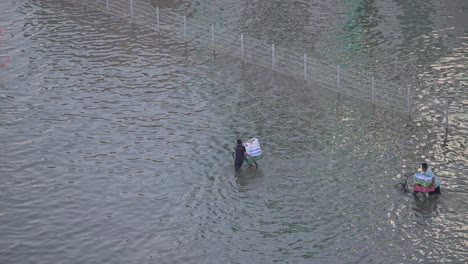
(241, 152)
(435, 179)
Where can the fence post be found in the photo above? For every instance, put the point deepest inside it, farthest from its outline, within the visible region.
(408, 101)
(338, 77)
(107, 7)
(157, 18)
(212, 37)
(242, 45)
(131, 9)
(446, 114)
(373, 90)
(185, 27)
(305, 67)
(273, 56)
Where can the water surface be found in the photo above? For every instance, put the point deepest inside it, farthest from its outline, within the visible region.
(116, 142)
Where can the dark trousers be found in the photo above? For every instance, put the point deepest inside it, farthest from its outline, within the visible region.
(436, 191)
(238, 164)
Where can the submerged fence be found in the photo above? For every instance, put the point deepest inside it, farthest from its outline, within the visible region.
(246, 48)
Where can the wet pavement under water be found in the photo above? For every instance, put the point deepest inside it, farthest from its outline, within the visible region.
(116, 142)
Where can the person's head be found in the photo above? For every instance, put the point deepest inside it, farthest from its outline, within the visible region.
(424, 167)
(239, 142)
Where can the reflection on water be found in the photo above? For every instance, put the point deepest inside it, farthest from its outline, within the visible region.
(426, 208)
(116, 142)
(248, 178)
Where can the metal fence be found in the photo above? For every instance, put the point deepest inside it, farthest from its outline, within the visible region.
(249, 49)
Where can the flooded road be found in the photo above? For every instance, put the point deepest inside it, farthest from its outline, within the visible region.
(116, 142)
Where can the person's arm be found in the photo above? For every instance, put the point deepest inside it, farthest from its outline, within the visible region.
(433, 183)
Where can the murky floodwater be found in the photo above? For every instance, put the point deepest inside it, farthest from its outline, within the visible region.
(115, 143)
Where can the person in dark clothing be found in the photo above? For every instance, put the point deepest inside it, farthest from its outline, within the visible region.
(241, 152)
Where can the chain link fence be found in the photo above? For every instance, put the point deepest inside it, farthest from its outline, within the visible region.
(247, 48)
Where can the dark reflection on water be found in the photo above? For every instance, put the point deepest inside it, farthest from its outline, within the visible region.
(116, 142)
